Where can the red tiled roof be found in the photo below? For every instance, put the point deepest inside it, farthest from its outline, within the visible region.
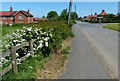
(88, 17)
(7, 13)
(27, 13)
(38, 19)
(12, 13)
(103, 13)
(95, 15)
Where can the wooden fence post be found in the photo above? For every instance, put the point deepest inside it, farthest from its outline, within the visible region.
(14, 60)
(31, 47)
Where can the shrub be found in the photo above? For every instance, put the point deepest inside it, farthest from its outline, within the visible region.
(48, 34)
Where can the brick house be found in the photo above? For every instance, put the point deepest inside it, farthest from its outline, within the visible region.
(96, 16)
(9, 17)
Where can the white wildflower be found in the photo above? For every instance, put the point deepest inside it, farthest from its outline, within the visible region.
(41, 41)
(18, 60)
(40, 46)
(15, 40)
(28, 54)
(51, 35)
(17, 44)
(10, 24)
(18, 63)
(2, 58)
(46, 44)
(30, 67)
(46, 39)
(17, 54)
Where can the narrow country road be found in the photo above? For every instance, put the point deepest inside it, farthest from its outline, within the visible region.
(94, 51)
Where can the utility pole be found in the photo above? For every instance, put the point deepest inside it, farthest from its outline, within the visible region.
(91, 11)
(75, 8)
(75, 11)
(70, 9)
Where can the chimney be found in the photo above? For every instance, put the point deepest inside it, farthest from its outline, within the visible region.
(11, 9)
(28, 10)
(103, 10)
(95, 13)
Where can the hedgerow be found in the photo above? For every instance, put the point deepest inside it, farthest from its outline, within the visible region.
(48, 34)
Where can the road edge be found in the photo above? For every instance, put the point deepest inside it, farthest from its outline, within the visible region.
(109, 68)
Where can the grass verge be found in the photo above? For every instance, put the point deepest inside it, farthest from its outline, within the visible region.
(115, 27)
(56, 64)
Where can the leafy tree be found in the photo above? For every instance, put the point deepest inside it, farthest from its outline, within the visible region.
(80, 18)
(74, 15)
(109, 17)
(64, 15)
(43, 17)
(52, 15)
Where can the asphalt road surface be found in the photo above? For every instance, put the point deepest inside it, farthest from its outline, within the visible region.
(94, 53)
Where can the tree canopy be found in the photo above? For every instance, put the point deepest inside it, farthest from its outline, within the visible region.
(52, 15)
(74, 15)
(64, 15)
(43, 17)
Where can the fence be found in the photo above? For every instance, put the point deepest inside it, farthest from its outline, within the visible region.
(12, 51)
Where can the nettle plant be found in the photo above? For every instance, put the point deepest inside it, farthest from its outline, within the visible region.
(45, 38)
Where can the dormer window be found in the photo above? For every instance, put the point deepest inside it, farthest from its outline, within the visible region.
(20, 17)
(4, 18)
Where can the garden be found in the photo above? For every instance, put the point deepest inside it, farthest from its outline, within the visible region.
(47, 34)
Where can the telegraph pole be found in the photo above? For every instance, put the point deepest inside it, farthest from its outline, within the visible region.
(70, 9)
(91, 11)
(75, 10)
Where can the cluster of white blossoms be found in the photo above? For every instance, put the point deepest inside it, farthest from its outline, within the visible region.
(21, 36)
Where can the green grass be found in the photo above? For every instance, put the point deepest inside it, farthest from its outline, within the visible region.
(6, 29)
(24, 70)
(115, 27)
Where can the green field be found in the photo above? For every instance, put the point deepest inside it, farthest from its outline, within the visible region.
(5, 29)
(115, 27)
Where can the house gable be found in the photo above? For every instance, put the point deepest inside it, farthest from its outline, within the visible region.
(23, 20)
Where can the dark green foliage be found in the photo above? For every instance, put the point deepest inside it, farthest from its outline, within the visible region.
(52, 15)
(74, 15)
(43, 17)
(64, 15)
(80, 18)
(60, 32)
(109, 18)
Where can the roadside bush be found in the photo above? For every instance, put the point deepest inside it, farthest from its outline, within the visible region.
(72, 22)
(48, 34)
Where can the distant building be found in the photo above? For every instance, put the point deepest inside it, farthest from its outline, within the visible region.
(96, 16)
(9, 17)
(39, 19)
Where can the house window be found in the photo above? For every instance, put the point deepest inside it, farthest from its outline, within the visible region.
(20, 17)
(4, 18)
(21, 22)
